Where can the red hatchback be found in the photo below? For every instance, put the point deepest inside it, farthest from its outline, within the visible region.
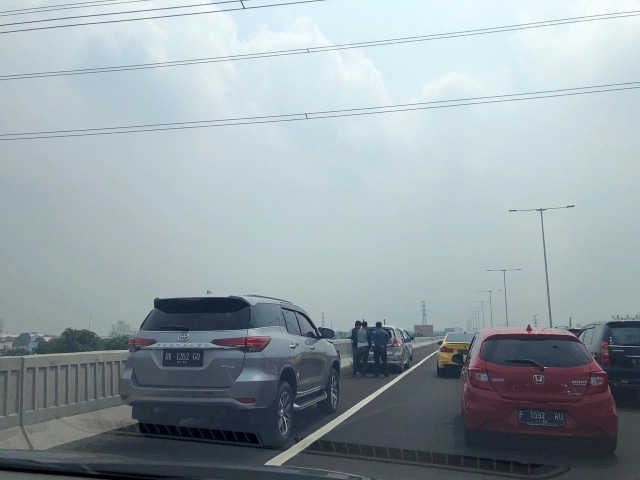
(536, 381)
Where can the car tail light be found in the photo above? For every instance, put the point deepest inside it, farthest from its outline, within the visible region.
(479, 378)
(251, 344)
(395, 343)
(445, 349)
(604, 353)
(136, 343)
(599, 382)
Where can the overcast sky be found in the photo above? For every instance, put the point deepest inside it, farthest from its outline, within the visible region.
(355, 217)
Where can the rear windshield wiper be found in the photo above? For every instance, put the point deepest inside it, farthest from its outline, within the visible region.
(525, 361)
(182, 328)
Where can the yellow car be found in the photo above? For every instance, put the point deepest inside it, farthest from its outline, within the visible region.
(453, 343)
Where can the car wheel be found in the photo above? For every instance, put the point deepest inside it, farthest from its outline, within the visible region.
(407, 365)
(605, 446)
(277, 429)
(332, 389)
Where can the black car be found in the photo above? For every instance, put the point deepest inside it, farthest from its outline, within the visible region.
(616, 347)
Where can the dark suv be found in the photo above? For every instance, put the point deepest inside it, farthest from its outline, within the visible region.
(237, 358)
(616, 347)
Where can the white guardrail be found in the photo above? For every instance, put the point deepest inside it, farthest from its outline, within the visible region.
(39, 388)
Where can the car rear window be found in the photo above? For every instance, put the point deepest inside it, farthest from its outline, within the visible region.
(625, 334)
(459, 337)
(548, 352)
(390, 331)
(198, 314)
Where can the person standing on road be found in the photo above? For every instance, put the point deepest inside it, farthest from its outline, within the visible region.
(363, 343)
(354, 341)
(380, 339)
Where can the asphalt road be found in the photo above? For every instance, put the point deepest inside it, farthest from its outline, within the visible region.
(417, 419)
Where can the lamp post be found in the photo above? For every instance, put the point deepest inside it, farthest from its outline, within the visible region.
(504, 281)
(544, 248)
(482, 302)
(490, 304)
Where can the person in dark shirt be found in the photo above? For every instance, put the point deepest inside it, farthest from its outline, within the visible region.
(380, 339)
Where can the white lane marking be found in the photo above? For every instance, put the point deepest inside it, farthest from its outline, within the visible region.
(287, 455)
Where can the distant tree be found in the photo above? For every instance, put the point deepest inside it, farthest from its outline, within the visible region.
(116, 343)
(22, 340)
(16, 352)
(70, 341)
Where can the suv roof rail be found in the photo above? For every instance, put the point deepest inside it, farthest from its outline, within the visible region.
(270, 298)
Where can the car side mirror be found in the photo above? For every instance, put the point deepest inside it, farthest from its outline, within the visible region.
(458, 358)
(440, 342)
(326, 332)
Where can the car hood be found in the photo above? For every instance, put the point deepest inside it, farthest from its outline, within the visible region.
(131, 467)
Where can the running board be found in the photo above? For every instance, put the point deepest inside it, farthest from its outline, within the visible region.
(312, 401)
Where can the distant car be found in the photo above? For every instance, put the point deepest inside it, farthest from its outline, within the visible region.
(538, 382)
(615, 345)
(249, 357)
(399, 350)
(451, 344)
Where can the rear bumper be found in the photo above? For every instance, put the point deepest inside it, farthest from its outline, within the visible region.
(262, 391)
(594, 416)
(622, 380)
(393, 358)
(444, 360)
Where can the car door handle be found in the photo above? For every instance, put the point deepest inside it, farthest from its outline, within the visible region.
(293, 345)
(311, 347)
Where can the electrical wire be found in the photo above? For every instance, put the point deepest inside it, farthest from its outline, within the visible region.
(316, 115)
(106, 14)
(67, 6)
(173, 15)
(306, 50)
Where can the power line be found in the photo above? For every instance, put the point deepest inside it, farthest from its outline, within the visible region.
(173, 15)
(305, 50)
(66, 6)
(293, 117)
(106, 14)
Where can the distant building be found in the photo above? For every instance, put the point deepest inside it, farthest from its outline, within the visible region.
(121, 328)
(453, 330)
(424, 330)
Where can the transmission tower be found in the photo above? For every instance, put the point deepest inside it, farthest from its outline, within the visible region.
(323, 319)
(535, 320)
(424, 312)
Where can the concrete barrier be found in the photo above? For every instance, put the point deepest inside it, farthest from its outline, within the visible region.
(39, 388)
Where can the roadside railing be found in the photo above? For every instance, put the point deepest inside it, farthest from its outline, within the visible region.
(39, 388)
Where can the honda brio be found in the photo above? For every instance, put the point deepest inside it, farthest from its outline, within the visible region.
(535, 381)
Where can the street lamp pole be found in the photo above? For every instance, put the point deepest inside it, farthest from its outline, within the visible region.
(504, 282)
(482, 302)
(544, 249)
(490, 303)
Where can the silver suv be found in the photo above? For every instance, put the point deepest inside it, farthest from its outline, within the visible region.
(237, 357)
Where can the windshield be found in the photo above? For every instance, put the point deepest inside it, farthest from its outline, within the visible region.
(199, 314)
(202, 202)
(545, 352)
(458, 337)
(625, 335)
